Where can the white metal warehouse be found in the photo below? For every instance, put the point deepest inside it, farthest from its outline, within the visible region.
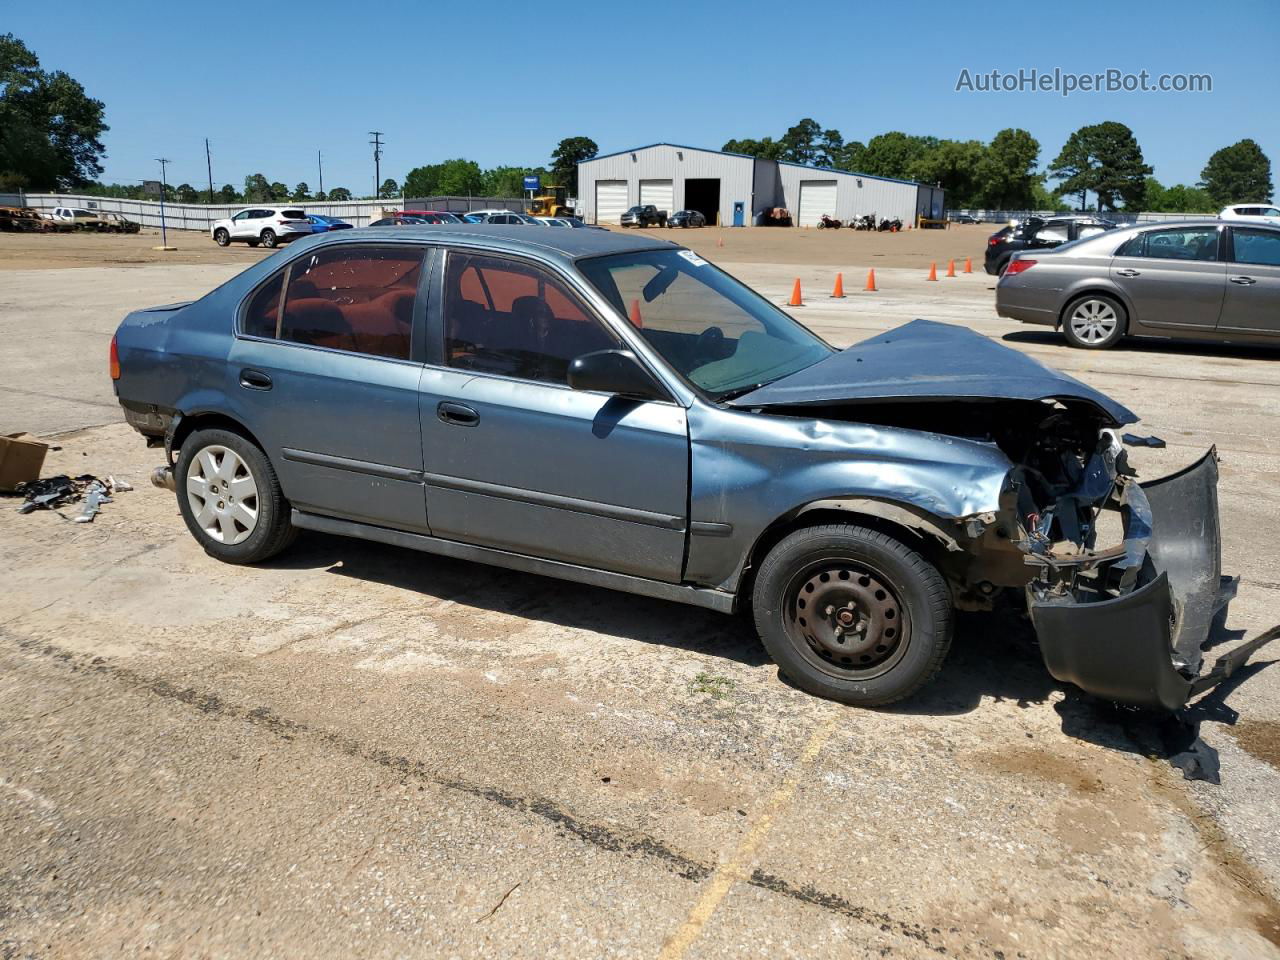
(732, 188)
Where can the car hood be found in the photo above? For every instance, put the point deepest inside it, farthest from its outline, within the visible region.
(924, 360)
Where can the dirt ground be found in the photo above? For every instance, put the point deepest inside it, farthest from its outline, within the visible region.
(358, 750)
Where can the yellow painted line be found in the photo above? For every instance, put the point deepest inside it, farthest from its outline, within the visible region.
(737, 867)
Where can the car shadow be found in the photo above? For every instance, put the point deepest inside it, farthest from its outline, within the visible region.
(528, 595)
(1201, 348)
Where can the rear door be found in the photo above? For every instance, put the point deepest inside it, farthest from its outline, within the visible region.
(1172, 277)
(516, 459)
(327, 378)
(1252, 298)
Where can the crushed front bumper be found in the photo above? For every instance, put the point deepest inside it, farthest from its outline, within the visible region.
(1130, 625)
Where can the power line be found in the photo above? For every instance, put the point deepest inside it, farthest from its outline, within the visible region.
(377, 161)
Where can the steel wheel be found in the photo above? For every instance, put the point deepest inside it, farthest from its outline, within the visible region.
(1093, 321)
(845, 619)
(223, 495)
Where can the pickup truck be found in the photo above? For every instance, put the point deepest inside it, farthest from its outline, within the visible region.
(645, 216)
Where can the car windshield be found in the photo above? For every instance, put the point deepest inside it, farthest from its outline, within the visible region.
(720, 334)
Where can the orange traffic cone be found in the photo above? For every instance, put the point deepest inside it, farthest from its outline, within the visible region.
(951, 268)
(933, 271)
(871, 281)
(635, 315)
(796, 300)
(838, 292)
(968, 264)
(719, 241)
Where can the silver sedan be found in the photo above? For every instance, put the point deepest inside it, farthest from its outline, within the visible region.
(1203, 280)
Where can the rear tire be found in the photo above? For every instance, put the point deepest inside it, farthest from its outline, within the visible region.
(1094, 321)
(230, 498)
(221, 237)
(852, 615)
(269, 239)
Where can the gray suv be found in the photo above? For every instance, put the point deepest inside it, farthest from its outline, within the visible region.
(1203, 280)
(615, 410)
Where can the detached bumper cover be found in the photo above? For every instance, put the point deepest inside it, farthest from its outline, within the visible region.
(1132, 631)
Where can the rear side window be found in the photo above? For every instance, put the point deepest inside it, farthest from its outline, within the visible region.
(293, 214)
(1185, 243)
(1260, 247)
(263, 313)
(1133, 246)
(1055, 231)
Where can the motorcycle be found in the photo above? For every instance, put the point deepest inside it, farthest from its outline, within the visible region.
(867, 222)
(829, 223)
(887, 224)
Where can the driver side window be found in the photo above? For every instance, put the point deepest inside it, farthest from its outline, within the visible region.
(514, 319)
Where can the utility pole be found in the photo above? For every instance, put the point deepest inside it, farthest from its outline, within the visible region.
(209, 164)
(377, 161)
(320, 164)
(164, 234)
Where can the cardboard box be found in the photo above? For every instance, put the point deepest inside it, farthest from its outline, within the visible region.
(21, 457)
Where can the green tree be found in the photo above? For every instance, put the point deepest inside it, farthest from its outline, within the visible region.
(338, 194)
(768, 148)
(257, 189)
(185, 193)
(1238, 173)
(503, 182)
(388, 189)
(453, 178)
(49, 126)
(301, 192)
(565, 158)
(1177, 199)
(892, 154)
(829, 149)
(1006, 175)
(1106, 159)
(278, 191)
(228, 194)
(800, 143)
(1042, 198)
(955, 165)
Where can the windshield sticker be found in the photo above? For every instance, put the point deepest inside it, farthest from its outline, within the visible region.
(693, 258)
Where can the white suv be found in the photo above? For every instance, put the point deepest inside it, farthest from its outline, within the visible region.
(268, 226)
(1258, 212)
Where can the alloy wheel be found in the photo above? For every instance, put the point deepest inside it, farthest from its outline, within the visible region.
(223, 495)
(1093, 321)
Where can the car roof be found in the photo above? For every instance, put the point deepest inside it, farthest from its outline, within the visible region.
(512, 238)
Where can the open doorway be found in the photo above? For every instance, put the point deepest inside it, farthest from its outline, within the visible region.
(703, 195)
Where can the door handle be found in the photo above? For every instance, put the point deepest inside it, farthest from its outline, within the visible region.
(1128, 272)
(1244, 281)
(458, 414)
(252, 379)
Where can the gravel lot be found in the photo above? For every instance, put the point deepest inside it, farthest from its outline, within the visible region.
(358, 750)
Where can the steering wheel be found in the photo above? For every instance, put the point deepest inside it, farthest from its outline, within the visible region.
(708, 340)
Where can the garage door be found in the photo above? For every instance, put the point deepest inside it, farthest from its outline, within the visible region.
(658, 192)
(611, 200)
(816, 198)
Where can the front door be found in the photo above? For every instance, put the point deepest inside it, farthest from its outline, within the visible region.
(1252, 301)
(1172, 277)
(516, 459)
(242, 224)
(328, 382)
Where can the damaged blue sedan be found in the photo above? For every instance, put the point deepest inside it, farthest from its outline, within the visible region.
(617, 411)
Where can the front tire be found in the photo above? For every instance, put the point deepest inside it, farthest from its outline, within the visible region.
(852, 615)
(269, 239)
(1094, 322)
(221, 237)
(230, 498)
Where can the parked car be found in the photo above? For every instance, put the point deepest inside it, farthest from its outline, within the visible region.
(269, 226)
(484, 215)
(687, 218)
(615, 410)
(77, 218)
(322, 224)
(398, 221)
(1251, 211)
(22, 219)
(645, 216)
(432, 216)
(1204, 280)
(962, 218)
(470, 217)
(117, 223)
(1035, 233)
(553, 221)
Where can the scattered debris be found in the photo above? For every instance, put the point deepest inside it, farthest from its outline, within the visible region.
(21, 457)
(51, 493)
(1133, 440)
(500, 902)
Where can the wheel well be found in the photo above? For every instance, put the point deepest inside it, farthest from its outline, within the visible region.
(188, 425)
(1093, 292)
(928, 547)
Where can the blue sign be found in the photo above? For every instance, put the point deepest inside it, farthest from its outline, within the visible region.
(533, 183)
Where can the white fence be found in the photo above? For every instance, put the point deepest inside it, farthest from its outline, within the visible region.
(1115, 216)
(201, 216)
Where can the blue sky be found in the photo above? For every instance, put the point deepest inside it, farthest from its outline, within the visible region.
(502, 82)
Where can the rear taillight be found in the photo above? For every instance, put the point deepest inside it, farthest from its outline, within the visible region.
(993, 240)
(282, 221)
(1017, 266)
(113, 361)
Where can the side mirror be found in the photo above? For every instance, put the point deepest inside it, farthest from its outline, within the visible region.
(613, 371)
